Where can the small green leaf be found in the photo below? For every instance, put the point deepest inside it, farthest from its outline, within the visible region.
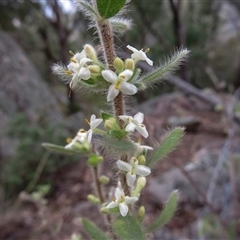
(127, 228)
(90, 81)
(169, 143)
(118, 133)
(94, 231)
(59, 149)
(106, 116)
(166, 214)
(109, 8)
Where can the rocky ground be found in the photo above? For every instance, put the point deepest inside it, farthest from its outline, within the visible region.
(197, 154)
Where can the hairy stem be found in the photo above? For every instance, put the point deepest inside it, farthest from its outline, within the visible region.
(106, 38)
(98, 184)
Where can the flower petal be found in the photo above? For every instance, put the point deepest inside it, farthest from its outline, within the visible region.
(112, 93)
(112, 205)
(125, 118)
(130, 179)
(142, 170)
(109, 76)
(142, 130)
(124, 166)
(149, 61)
(123, 207)
(132, 48)
(74, 81)
(125, 75)
(89, 135)
(119, 193)
(130, 127)
(128, 88)
(84, 73)
(130, 200)
(139, 117)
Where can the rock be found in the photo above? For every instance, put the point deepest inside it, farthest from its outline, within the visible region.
(22, 91)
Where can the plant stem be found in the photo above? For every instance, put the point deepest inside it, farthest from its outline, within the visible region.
(98, 184)
(106, 38)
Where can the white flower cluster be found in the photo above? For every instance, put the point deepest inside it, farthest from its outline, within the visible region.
(132, 168)
(79, 69)
(85, 66)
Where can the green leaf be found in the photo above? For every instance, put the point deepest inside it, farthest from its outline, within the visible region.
(109, 8)
(127, 228)
(94, 231)
(118, 133)
(59, 149)
(162, 71)
(169, 143)
(106, 116)
(166, 214)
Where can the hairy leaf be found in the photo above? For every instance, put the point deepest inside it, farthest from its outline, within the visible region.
(169, 143)
(166, 214)
(127, 228)
(94, 231)
(109, 8)
(161, 72)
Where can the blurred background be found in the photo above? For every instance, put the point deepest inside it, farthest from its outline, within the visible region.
(35, 107)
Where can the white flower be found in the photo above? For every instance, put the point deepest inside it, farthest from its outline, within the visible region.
(141, 148)
(119, 83)
(135, 122)
(121, 201)
(77, 68)
(81, 137)
(139, 55)
(94, 122)
(133, 169)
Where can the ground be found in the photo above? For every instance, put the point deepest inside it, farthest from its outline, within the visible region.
(66, 203)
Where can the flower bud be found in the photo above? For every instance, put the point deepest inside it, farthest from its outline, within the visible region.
(141, 213)
(118, 64)
(91, 198)
(90, 52)
(141, 183)
(142, 160)
(104, 210)
(104, 179)
(129, 64)
(111, 124)
(94, 69)
(94, 160)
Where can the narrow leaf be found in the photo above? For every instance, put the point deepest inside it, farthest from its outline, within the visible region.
(164, 70)
(109, 8)
(94, 231)
(168, 145)
(166, 214)
(127, 228)
(59, 149)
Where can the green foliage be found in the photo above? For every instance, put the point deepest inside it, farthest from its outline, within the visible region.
(128, 228)
(94, 232)
(60, 149)
(170, 141)
(164, 70)
(18, 171)
(166, 214)
(109, 8)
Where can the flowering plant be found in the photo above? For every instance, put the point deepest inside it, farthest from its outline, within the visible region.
(115, 78)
